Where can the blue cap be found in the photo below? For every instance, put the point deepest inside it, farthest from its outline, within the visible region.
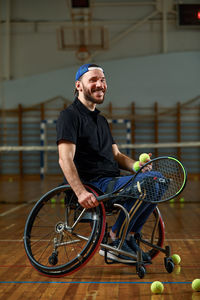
(85, 68)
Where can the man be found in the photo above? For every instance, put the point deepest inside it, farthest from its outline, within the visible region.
(88, 153)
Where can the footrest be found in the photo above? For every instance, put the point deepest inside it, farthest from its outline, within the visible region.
(107, 260)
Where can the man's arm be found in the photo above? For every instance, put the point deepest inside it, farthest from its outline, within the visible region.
(66, 152)
(125, 162)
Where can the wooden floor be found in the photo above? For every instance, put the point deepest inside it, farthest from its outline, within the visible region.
(18, 280)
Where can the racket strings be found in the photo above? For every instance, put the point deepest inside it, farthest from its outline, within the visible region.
(163, 182)
(173, 172)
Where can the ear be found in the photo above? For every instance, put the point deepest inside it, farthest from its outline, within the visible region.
(78, 85)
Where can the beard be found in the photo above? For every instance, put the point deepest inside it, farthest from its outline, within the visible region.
(88, 95)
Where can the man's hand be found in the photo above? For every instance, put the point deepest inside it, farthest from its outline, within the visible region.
(148, 167)
(87, 200)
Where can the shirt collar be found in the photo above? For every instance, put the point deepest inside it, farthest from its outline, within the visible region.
(83, 109)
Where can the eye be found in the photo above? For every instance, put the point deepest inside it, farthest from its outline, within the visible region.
(93, 80)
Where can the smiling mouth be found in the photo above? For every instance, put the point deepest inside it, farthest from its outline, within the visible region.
(100, 92)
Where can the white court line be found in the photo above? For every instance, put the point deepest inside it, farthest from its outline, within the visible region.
(16, 208)
(8, 227)
(12, 210)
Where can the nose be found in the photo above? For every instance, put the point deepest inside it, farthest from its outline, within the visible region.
(100, 84)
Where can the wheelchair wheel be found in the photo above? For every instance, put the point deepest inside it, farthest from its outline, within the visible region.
(152, 231)
(60, 236)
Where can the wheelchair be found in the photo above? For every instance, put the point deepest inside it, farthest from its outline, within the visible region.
(60, 236)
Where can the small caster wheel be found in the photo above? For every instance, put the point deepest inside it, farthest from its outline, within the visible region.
(169, 265)
(53, 259)
(141, 271)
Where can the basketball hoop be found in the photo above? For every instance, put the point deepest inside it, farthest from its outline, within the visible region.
(83, 39)
(83, 54)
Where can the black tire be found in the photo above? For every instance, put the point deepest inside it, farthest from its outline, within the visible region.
(141, 271)
(53, 229)
(169, 265)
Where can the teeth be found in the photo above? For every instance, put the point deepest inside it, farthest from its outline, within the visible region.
(99, 92)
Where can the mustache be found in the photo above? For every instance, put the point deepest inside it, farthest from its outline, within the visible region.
(98, 90)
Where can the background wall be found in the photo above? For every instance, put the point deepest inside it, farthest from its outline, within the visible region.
(166, 78)
(148, 56)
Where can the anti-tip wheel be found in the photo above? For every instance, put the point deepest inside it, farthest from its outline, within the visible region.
(141, 271)
(53, 259)
(169, 265)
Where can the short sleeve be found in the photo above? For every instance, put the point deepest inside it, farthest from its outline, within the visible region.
(67, 126)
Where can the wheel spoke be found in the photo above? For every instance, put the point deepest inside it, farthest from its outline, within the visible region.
(60, 236)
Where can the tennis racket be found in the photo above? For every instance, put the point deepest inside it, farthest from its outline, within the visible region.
(158, 180)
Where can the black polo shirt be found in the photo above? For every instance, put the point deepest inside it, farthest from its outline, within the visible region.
(90, 132)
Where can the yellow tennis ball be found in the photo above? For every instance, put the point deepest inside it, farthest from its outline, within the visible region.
(157, 287)
(195, 296)
(196, 285)
(53, 200)
(136, 166)
(62, 200)
(177, 269)
(144, 157)
(176, 259)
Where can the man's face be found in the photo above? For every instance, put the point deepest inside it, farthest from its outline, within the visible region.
(93, 86)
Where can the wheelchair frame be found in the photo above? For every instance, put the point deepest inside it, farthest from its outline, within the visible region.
(60, 236)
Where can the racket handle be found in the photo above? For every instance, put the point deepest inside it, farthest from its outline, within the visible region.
(103, 197)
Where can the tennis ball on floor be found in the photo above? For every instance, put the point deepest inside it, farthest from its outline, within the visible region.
(136, 166)
(62, 200)
(196, 285)
(53, 200)
(144, 157)
(157, 287)
(177, 269)
(182, 199)
(195, 296)
(176, 259)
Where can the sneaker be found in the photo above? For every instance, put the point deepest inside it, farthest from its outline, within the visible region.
(134, 246)
(116, 256)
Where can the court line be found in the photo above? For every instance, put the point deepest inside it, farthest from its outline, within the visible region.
(12, 210)
(8, 227)
(99, 266)
(12, 241)
(184, 240)
(17, 207)
(167, 240)
(96, 282)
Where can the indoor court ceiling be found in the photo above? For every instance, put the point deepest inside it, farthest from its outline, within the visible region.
(64, 33)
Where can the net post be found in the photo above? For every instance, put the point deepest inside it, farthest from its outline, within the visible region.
(156, 127)
(20, 138)
(42, 130)
(133, 128)
(178, 124)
